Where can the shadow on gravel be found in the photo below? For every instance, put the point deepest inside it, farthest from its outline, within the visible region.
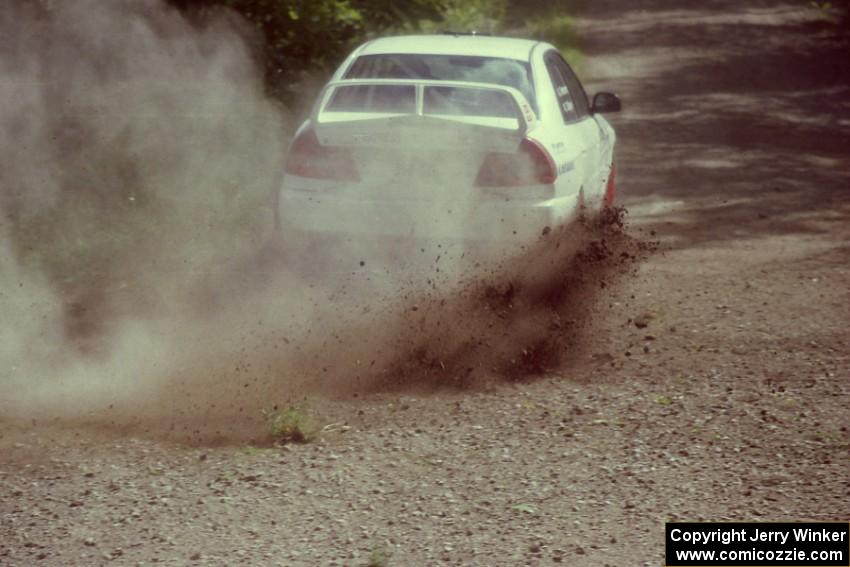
(740, 125)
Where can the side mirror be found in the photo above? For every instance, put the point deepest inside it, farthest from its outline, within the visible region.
(605, 102)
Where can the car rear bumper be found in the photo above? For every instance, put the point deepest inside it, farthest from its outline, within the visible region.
(351, 211)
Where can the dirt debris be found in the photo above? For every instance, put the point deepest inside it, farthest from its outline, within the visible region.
(523, 317)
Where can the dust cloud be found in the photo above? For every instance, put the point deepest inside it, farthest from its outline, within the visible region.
(139, 287)
(139, 155)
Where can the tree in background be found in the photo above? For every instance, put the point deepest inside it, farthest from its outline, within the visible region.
(300, 37)
(305, 39)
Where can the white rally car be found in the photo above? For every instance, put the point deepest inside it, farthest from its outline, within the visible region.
(461, 137)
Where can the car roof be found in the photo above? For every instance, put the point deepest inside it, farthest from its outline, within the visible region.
(451, 44)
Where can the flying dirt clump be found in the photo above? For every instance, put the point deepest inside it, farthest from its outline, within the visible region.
(526, 316)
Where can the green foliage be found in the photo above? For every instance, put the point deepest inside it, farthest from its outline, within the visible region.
(380, 14)
(312, 36)
(485, 16)
(822, 6)
(291, 425)
(547, 20)
(379, 557)
(304, 37)
(557, 30)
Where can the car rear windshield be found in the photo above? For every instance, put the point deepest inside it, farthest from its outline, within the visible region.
(438, 100)
(490, 70)
(374, 98)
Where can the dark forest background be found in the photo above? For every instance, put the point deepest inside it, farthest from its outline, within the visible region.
(303, 40)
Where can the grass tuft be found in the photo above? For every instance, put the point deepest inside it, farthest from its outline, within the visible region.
(379, 557)
(291, 425)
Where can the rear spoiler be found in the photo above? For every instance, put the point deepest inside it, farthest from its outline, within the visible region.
(522, 121)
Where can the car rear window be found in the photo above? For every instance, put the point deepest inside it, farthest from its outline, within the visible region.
(463, 101)
(490, 70)
(374, 98)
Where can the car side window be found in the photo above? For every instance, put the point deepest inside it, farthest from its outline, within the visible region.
(572, 99)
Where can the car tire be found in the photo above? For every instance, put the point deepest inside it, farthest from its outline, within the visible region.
(610, 188)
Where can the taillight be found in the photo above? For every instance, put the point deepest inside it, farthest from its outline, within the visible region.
(609, 188)
(530, 164)
(308, 158)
